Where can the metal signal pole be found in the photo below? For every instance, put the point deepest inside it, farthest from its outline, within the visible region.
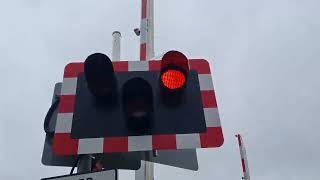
(146, 172)
(147, 30)
(84, 164)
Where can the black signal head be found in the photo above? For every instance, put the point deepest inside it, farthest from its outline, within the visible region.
(99, 74)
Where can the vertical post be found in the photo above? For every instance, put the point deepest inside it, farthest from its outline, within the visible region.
(150, 30)
(147, 30)
(84, 164)
(143, 31)
(244, 160)
(146, 172)
(116, 46)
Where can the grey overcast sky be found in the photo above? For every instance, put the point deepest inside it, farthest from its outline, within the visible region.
(265, 60)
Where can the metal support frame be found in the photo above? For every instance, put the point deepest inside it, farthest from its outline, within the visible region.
(84, 164)
(146, 172)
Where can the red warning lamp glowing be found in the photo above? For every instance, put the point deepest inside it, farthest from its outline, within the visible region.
(174, 70)
(173, 79)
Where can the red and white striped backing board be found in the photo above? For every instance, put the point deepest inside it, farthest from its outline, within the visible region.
(63, 144)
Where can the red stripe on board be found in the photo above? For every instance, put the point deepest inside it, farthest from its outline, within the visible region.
(154, 65)
(212, 138)
(66, 104)
(144, 9)
(164, 142)
(143, 52)
(63, 144)
(243, 166)
(115, 144)
(200, 65)
(209, 99)
(120, 66)
(73, 69)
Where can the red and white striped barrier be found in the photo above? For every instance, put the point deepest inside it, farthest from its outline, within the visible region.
(143, 31)
(244, 160)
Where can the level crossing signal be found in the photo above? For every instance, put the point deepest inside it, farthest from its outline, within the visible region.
(126, 106)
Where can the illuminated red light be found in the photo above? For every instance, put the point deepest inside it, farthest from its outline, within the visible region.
(173, 79)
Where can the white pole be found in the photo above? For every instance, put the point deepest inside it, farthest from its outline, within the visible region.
(150, 30)
(116, 46)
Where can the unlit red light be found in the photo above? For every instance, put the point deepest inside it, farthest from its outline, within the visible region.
(173, 79)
